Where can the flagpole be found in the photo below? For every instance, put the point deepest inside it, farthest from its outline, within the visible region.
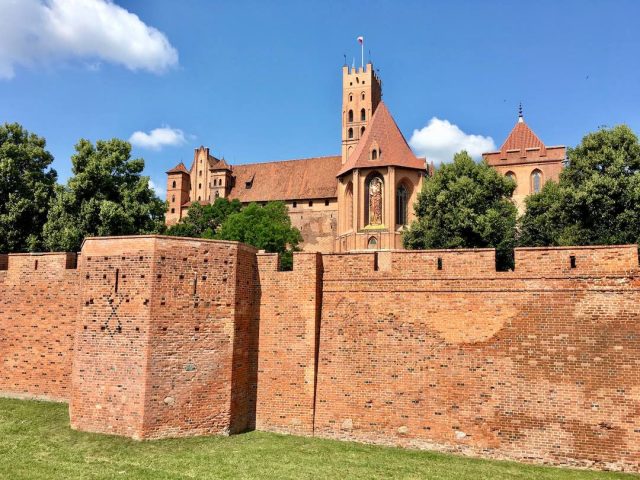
(362, 54)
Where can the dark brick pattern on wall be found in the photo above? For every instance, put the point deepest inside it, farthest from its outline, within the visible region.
(169, 349)
(154, 337)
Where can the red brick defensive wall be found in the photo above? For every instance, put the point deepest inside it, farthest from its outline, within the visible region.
(155, 337)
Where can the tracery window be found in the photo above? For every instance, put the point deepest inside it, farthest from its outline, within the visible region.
(536, 181)
(402, 197)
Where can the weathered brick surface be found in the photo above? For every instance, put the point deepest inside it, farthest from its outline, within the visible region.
(433, 349)
(519, 365)
(38, 308)
(165, 353)
(289, 319)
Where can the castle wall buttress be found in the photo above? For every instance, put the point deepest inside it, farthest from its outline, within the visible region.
(290, 305)
(162, 347)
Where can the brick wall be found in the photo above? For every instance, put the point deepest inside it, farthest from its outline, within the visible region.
(289, 318)
(38, 309)
(521, 365)
(162, 349)
(430, 349)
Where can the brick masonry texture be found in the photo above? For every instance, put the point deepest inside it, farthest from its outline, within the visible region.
(38, 310)
(161, 337)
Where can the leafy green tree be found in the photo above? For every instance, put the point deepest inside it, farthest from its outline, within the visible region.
(204, 220)
(267, 228)
(596, 201)
(465, 205)
(26, 188)
(107, 195)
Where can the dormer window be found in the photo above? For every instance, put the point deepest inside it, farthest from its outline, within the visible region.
(374, 154)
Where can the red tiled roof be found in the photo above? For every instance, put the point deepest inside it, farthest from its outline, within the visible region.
(521, 137)
(286, 180)
(524, 146)
(218, 164)
(180, 168)
(384, 134)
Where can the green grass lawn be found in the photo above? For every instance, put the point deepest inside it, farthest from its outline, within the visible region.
(37, 443)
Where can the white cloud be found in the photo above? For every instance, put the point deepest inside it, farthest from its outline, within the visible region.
(158, 138)
(441, 139)
(160, 191)
(45, 32)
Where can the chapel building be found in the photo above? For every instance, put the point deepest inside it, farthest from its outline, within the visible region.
(363, 198)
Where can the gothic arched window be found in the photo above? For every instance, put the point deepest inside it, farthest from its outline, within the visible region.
(362, 95)
(536, 181)
(350, 116)
(402, 199)
(350, 97)
(350, 133)
(372, 244)
(373, 213)
(363, 115)
(511, 176)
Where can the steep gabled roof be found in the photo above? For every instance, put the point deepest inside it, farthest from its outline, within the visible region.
(180, 168)
(383, 134)
(303, 179)
(521, 138)
(218, 164)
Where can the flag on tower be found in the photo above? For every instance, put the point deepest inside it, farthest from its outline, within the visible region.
(360, 40)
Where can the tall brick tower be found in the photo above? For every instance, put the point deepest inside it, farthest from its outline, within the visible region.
(178, 183)
(361, 94)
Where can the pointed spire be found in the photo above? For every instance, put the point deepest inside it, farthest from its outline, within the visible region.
(520, 117)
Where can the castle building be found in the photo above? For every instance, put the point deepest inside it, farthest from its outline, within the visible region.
(527, 160)
(362, 199)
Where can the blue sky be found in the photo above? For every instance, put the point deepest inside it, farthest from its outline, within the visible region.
(259, 81)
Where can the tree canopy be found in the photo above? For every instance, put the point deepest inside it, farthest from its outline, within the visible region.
(465, 205)
(596, 201)
(26, 188)
(107, 195)
(267, 228)
(204, 220)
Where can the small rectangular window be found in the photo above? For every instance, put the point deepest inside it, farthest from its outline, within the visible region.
(173, 210)
(572, 261)
(439, 263)
(295, 204)
(326, 203)
(311, 203)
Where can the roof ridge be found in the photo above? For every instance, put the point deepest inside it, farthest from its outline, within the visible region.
(287, 161)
